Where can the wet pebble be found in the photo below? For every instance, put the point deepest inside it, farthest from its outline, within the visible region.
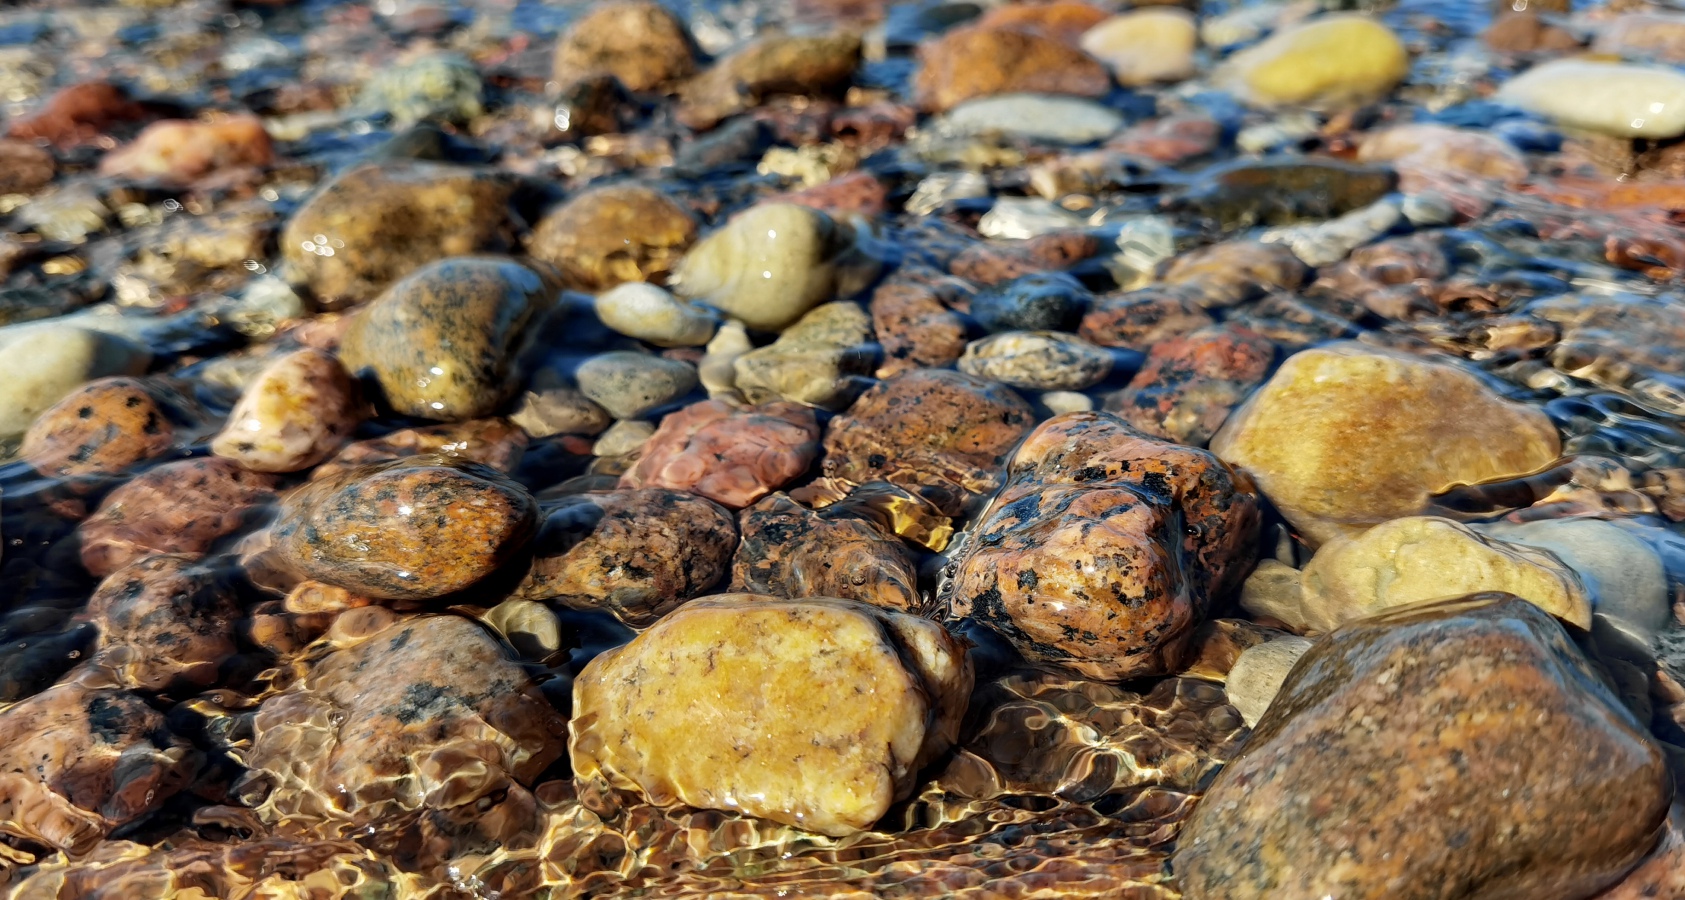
(776, 63)
(295, 414)
(559, 409)
(822, 360)
(768, 265)
(1041, 302)
(791, 551)
(1256, 677)
(108, 425)
(915, 327)
(24, 167)
(1617, 99)
(1330, 61)
(181, 151)
(1145, 45)
(490, 442)
(623, 438)
(1621, 571)
(641, 43)
(980, 61)
(629, 384)
(1191, 384)
(436, 86)
(1040, 360)
(164, 621)
(650, 313)
(612, 235)
(181, 508)
(731, 456)
(1038, 117)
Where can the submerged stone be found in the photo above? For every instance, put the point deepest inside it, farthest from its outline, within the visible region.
(733, 457)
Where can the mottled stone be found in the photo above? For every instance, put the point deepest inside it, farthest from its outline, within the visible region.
(815, 713)
(1425, 145)
(1190, 384)
(82, 759)
(1229, 273)
(1040, 360)
(915, 328)
(490, 442)
(650, 313)
(629, 384)
(408, 529)
(1285, 190)
(1066, 20)
(731, 456)
(614, 234)
(50, 361)
(1330, 61)
(445, 342)
(1106, 548)
(640, 42)
(428, 713)
(1257, 675)
(1464, 743)
(1659, 36)
(637, 554)
(182, 507)
(1345, 436)
(822, 360)
(559, 410)
(108, 425)
(1043, 301)
(996, 261)
(295, 414)
(776, 63)
(1137, 320)
(978, 61)
(164, 621)
(768, 265)
(181, 151)
(791, 551)
(444, 87)
(377, 222)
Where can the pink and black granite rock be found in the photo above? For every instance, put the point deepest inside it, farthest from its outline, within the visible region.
(791, 551)
(731, 456)
(109, 425)
(491, 442)
(1190, 384)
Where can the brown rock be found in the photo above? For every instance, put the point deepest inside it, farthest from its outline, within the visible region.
(377, 222)
(775, 64)
(874, 126)
(978, 61)
(181, 151)
(1345, 436)
(614, 234)
(293, 415)
(24, 168)
(409, 529)
(1443, 148)
(1463, 743)
(164, 621)
(733, 457)
(856, 192)
(637, 554)
(1190, 384)
(915, 327)
(995, 262)
(1233, 272)
(815, 713)
(1525, 32)
(1139, 319)
(639, 42)
(77, 114)
(182, 508)
(791, 551)
(108, 425)
(1105, 549)
(489, 442)
(1064, 20)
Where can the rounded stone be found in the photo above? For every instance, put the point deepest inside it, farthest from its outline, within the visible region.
(1044, 301)
(293, 415)
(444, 343)
(1145, 46)
(181, 151)
(1039, 360)
(1617, 99)
(979, 61)
(773, 63)
(768, 265)
(791, 551)
(106, 426)
(823, 360)
(731, 456)
(629, 384)
(1331, 61)
(650, 313)
(614, 234)
(59, 359)
(181, 507)
(165, 621)
(623, 438)
(640, 42)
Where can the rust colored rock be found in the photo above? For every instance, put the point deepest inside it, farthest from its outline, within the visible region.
(1169, 140)
(164, 621)
(938, 429)
(1232, 272)
(408, 529)
(428, 713)
(293, 415)
(109, 425)
(775, 64)
(1443, 148)
(1064, 20)
(1662, 874)
(915, 327)
(873, 126)
(181, 151)
(637, 554)
(1139, 319)
(1190, 384)
(614, 234)
(1466, 742)
(490, 442)
(733, 457)
(182, 507)
(1106, 548)
(24, 168)
(640, 42)
(791, 551)
(993, 263)
(81, 759)
(856, 192)
(77, 114)
(978, 61)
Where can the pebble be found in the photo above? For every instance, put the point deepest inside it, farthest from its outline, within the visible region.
(108, 425)
(77, 114)
(1039, 360)
(629, 384)
(164, 621)
(442, 87)
(1479, 718)
(636, 554)
(823, 360)
(1342, 60)
(1105, 549)
(1145, 46)
(995, 262)
(1226, 274)
(652, 314)
(182, 508)
(938, 188)
(623, 438)
(1443, 148)
(768, 265)
(1625, 578)
(977, 61)
(1258, 673)
(446, 342)
(1044, 301)
(1191, 384)
(613, 235)
(1019, 218)
(377, 222)
(1658, 36)
(490, 442)
(731, 456)
(816, 713)
(776, 63)
(59, 359)
(407, 529)
(1140, 319)
(294, 414)
(1617, 99)
(180, 151)
(914, 327)
(1326, 243)
(718, 369)
(559, 410)
(1285, 190)
(1035, 117)
(791, 551)
(639, 42)
(1346, 436)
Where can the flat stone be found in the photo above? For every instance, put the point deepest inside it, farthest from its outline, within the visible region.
(1036, 117)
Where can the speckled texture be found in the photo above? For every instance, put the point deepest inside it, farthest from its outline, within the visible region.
(814, 713)
(109, 425)
(1106, 548)
(1137, 320)
(165, 621)
(614, 234)
(1480, 706)
(915, 327)
(791, 551)
(731, 456)
(978, 61)
(639, 42)
(1038, 360)
(378, 222)
(997, 261)
(1227, 273)
(444, 342)
(408, 529)
(181, 507)
(637, 554)
(1190, 384)
(293, 415)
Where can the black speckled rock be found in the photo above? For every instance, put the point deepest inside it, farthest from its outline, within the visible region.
(1459, 749)
(163, 621)
(791, 551)
(109, 425)
(1041, 301)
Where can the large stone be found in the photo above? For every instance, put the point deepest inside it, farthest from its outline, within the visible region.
(445, 342)
(979, 61)
(791, 551)
(1106, 548)
(1617, 99)
(815, 713)
(640, 42)
(1331, 61)
(1346, 436)
(293, 415)
(165, 621)
(377, 222)
(1190, 384)
(180, 507)
(1625, 577)
(1464, 744)
(768, 265)
(110, 424)
(733, 457)
(614, 234)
